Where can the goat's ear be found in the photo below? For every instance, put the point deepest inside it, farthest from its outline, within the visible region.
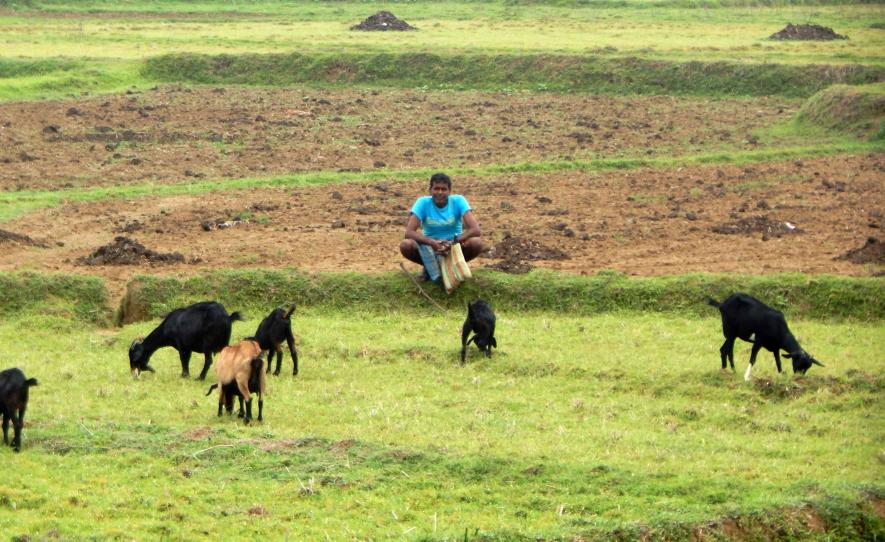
(814, 361)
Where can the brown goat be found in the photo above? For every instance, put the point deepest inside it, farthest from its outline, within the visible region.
(240, 372)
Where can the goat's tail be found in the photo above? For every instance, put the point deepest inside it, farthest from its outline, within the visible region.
(288, 314)
(713, 303)
(212, 387)
(236, 316)
(31, 382)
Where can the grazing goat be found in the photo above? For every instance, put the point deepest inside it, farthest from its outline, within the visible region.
(272, 331)
(751, 320)
(240, 371)
(202, 327)
(13, 402)
(481, 321)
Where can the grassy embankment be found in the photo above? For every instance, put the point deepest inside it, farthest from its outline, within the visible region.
(592, 424)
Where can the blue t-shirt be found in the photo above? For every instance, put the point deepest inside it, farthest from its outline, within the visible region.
(442, 224)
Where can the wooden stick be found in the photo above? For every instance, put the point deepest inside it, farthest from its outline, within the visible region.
(420, 289)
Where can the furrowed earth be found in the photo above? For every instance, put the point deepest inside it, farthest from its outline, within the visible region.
(803, 215)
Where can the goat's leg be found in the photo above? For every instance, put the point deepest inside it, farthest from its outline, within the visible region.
(753, 352)
(727, 353)
(260, 406)
(17, 424)
(185, 357)
(465, 331)
(290, 341)
(206, 365)
(5, 427)
(279, 361)
(777, 360)
(248, 417)
(243, 385)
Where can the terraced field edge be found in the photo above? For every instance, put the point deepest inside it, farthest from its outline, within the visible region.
(559, 73)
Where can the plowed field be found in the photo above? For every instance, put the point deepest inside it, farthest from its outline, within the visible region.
(800, 216)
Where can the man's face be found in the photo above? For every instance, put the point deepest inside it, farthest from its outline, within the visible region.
(440, 194)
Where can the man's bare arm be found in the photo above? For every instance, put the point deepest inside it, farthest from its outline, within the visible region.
(471, 227)
(413, 233)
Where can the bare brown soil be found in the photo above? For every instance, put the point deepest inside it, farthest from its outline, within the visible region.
(177, 134)
(800, 216)
(641, 222)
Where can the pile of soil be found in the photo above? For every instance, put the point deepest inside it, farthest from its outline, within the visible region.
(806, 32)
(383, 21)
(873, 251)
(516, 252)
(757, 224)
(12, 237)
(125, 251)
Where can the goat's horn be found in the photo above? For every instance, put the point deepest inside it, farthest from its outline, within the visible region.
(291, 310)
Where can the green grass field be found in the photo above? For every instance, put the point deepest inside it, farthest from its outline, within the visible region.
(588, 423)
(575, 427)
(110, 50)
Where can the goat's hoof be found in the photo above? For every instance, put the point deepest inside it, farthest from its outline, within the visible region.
(247, 420)
(185, 375)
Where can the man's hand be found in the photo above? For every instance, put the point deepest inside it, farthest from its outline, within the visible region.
(441, 247)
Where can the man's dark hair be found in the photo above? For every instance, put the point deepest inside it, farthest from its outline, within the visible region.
(440, 178)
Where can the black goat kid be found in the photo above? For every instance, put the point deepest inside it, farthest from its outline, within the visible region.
(14, 402)
(481, 321)
(751, 320)
(202, 327)
(272, 331)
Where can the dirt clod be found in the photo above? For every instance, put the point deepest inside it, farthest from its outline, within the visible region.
(806, 32)
(12, 237)
(125, 251)
(383, 21)
(516, 252)
(757, 224)
(873, 251)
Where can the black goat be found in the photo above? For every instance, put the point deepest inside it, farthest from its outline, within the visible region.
(272, 331)
(481, 321)
(14, 402)
(202, 327)
(751, 320)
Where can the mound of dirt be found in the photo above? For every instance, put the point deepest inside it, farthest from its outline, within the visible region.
(757, 224)
(515, 252)
(125, 251)
(12, 237)
(383, 21)
(873, 251)
(806, 32)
